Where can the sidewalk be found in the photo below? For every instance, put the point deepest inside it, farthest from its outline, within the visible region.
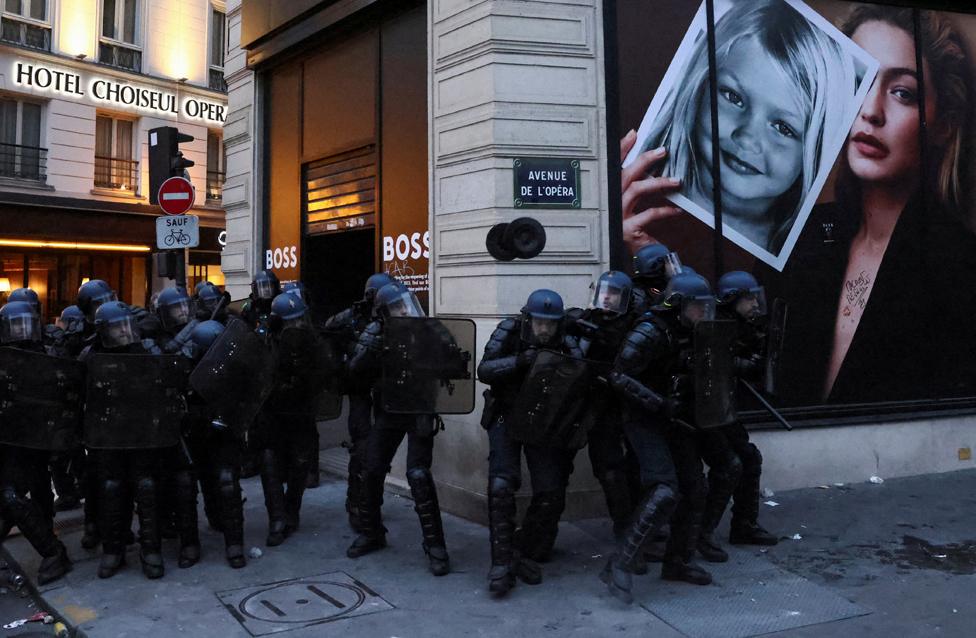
(891, 559)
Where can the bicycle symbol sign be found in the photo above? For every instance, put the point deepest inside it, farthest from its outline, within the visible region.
(177, 231)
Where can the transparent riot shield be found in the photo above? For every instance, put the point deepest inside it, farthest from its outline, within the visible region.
(774, 344)
(306, 367)
(428, 365)
(714, 374)
(41, 400)
(235, 376)
(551, 405)
(134, 401)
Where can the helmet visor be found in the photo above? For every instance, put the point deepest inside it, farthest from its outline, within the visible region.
(98, 300)
(20, 327)
(695, 309)
(406, 305)
(176, 314)
(751, 305)
(71, 325)
(119, 332)
(264, 288)
(610, 298)
(672, 265)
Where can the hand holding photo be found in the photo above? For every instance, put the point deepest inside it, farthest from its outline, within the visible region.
(789, 87)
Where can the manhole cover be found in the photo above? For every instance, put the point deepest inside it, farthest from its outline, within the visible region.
(282, 606)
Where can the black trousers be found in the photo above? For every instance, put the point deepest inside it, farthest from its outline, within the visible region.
(217, 458)
(124, 476)
(286, 456)
(20, 469)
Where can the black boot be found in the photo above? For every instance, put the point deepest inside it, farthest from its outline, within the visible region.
(55, 566)
(110, 563)
(112, 524)
(235, 556)
(186, 514)
(501, 529)
(651, 516)
(616, 490)
(723, 477)
(372, 534)
(231, 515)
(750, 534)
(428, 510)
(537, 536)
(150, 544)
(297, 478)
(274, 497)
(91, 538)
(353, 488)
(744, 528)
(685, 531)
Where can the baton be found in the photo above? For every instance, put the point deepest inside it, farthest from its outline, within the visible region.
(769, 408)
(224, 300)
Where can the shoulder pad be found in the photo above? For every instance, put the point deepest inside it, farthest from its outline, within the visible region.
(574, 314)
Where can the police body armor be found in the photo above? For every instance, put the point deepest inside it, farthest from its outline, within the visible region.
(41, 400)
(306, 366)
(134, 401)
(235, 376)
(428, 365)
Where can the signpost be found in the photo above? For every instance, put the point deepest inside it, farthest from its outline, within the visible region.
(177, 232)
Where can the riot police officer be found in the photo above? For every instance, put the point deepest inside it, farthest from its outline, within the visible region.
(257, 310)
(21, 468)
(388, 431)
(297, 288)
(124, 474)
(649, 373)
(735, 464)
(654, 265)
(509, 354)
(286, 425)
(209, 300)
(601, 329)
(91, 295)
(346, 328)
(216, 450)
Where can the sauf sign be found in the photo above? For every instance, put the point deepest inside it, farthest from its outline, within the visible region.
(42, 77)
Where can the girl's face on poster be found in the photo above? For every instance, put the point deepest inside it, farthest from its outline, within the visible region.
(883, 144)
(761, 128)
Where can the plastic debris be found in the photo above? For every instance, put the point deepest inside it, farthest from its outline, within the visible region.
(255, 552)
(768, 493)
(938, 555)
(597, 556)
(38, 617)
(771, 503)
(823, 487)
(796, 537)
(838, 485)
(794, 613)
(877, 480)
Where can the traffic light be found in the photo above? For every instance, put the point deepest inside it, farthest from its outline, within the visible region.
(165, 158)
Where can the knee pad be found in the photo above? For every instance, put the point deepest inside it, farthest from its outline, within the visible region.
(751, 461)
(418, 474)
(9, 498)
(500, 485)
(146, 485)
(112, 488)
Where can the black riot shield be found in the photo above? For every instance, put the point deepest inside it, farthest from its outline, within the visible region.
(306, 365)
(134, 401)
(428, 365)
(774, 343)
(40, 400)
(551, 404)
(714, 374)
(235, 376)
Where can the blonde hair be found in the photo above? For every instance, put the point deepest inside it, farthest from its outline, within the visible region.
(949, 75)
(824, 78)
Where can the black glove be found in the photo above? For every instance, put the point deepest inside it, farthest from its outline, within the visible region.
(526, 358)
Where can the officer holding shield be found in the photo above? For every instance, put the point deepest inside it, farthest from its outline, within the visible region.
(509, 355)
(394, 301)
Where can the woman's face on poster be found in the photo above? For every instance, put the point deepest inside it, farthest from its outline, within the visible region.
(761, 128)
(883, 144)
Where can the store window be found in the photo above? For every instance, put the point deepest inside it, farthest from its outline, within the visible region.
(120, 42)
(25, 22)
(216, 170)
(114, 166)
(21, 155)
(218, 47)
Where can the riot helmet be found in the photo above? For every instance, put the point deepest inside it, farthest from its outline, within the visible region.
(115, 324)
(173, 308)
(93, 294)
(692, 297)
(199, 286)
(296, 288)
(265, 285)
(739, 291)
(203, 336)
(208, 296)
(542, 317)
(19, 322)
(656, 263)
(28, 295)
(290, 309)
(72, 320)
(396, 300)
(611, 292)
(374, 283)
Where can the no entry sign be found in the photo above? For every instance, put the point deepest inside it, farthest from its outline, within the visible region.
(176, 196)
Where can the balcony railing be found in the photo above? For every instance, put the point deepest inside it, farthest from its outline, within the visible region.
(119, 56)
(116, 173)
(215, 184)
(28, 35)
(23, 162)
(217, 82)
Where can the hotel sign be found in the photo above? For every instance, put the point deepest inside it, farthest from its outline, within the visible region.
(119, 94)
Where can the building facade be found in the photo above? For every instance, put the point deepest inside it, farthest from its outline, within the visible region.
(368, 135)
(82, 82)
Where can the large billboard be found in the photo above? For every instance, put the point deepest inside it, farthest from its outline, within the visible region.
(837, 189)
